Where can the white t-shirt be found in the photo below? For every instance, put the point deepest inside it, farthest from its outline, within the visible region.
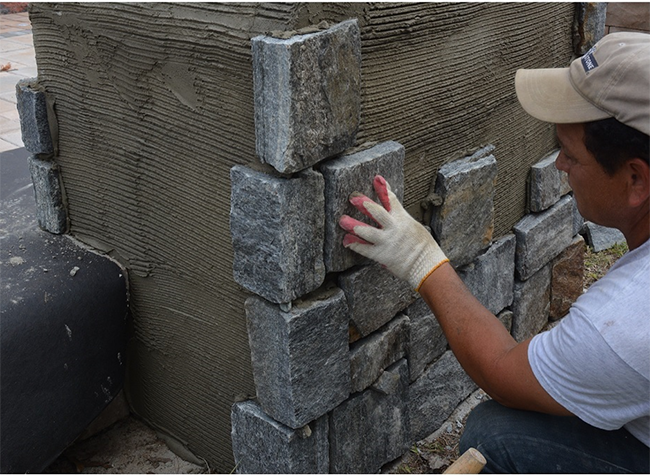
(596, 362)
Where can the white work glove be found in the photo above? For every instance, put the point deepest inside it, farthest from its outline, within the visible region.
(400, 243)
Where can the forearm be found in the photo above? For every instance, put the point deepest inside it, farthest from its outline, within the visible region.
(478, 339)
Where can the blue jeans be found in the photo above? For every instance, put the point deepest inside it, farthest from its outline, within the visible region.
(515, 441)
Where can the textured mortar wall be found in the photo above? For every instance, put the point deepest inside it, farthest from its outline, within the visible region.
(155, 104)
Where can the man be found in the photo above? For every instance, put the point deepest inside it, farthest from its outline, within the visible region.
(577, 398)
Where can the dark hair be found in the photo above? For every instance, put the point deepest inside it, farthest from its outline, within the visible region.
(613, 143)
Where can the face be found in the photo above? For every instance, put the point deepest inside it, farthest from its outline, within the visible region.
(597, 194)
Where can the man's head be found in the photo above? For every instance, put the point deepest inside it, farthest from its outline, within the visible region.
(607, 89)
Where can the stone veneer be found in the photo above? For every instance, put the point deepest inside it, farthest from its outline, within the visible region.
(350, 375)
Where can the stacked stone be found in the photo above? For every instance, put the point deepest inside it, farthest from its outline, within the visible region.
(350, 366)
(38, 128)
(549, 254)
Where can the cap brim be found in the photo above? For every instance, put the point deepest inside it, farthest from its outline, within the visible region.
(548, 95)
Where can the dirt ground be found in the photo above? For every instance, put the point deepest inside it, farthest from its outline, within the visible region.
(130, 446)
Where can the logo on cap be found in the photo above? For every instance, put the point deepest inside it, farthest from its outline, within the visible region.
(589, 61)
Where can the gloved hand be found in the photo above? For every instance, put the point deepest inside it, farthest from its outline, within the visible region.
(400, 243)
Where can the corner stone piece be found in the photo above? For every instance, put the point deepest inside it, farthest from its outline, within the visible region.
(300, 358)
(374, 297)
(51, 212)
(435, 395)
(307, 92)
(277, 229)
(464, 223)
(542, 236)
(547, 184)
(262, 445)
(355, 172)
(372, 428)
(34, 123)
(491, 276)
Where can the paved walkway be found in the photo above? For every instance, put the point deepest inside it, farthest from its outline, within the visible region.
(17, 61)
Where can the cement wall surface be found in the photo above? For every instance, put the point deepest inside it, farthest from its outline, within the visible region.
(154, 104)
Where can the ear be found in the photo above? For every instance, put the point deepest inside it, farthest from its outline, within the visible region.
(638, 177)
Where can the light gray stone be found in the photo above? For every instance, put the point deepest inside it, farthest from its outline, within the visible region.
(277, 227)
(542, 236)
(464, 223)
(307, 92)
(372, 428)
(428, 341)
(531, 304)
(545, 184)
(371, 355)
(491, 276)
(435, 395)
(31, 102)
(601, 238)
(51, 211)
(374, 297)
(355, 172)
(300, 358)
(263, 445)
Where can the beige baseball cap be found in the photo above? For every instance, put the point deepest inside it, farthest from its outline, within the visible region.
(611, 80)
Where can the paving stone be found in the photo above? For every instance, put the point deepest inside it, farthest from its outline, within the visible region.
(277, 226)
(300, 358)
(428, 341)
(590, 19)
(491, 276)
(307, 92)
(372, 428)
(51, 212)
(567, 277)
(263, 445)
(542, 236)
(355, 172)
(545, 184)
(34, 123)
(374, 297)
(531, 304)
(601, 238)
(371, 355)
(464, 223)
(435, 395)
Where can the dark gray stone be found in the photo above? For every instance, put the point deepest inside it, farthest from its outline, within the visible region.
(491, 276)
(506, 317)
(372, 428)
(578, 220)
(601, 238)
(531, 304)
(545, 184)
(34, 123)
(371, 355)
(262, 445)
(374, 297)
(428, 341)
(464, 223)
(355, 172)
(300, 358)
(542, 236)
(307, 93)
(276, 225)
(435, 395)
(51, 211)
